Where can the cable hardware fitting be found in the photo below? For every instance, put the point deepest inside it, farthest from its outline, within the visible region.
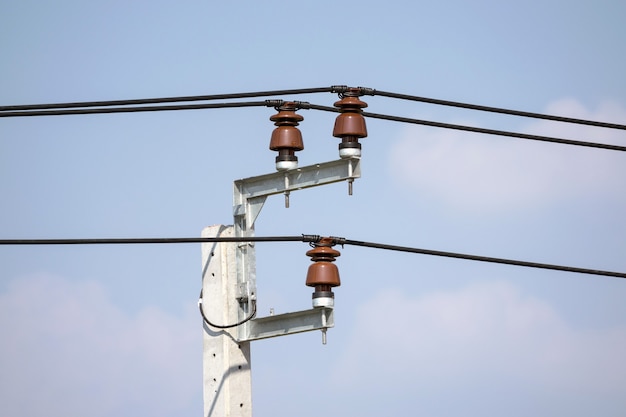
(338, 240)
(345, 91)
(339, 89)
(311, 238)
(274, 103)
(366, 91)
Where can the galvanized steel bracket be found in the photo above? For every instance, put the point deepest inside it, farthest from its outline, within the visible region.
(250, 193)
(289, 323)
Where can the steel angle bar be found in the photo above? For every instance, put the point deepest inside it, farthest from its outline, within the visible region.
(290, 323)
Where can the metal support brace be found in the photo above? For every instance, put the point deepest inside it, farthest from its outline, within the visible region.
(291, 323)
(250, 193)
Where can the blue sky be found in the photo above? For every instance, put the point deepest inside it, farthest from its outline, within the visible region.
(115, 331)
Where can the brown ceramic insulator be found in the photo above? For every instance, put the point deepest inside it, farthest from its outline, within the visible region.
(323, 272)
(350, 123)
(286, 135)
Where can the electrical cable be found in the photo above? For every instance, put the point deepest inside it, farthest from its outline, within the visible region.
(66, 112)
(476, 129)
(122, 241)
(309, 239)
(494, 109)
(481, 258)
(170, 99)
(305, 105)
(333, 89)
(225, 326)
(498, 132)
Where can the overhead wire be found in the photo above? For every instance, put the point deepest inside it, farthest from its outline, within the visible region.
(101, 110)
(312, 239)
(306, 105)
(497, 132)
(155, 240)
(484, 258)
(161, 100)
(475, 129)
(340, 89)
(99, 107)
(496, 109)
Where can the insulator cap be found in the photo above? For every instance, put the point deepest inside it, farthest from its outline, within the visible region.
(323, 273)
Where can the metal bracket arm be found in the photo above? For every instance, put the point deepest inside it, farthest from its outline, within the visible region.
(289, 323)
(251, 193)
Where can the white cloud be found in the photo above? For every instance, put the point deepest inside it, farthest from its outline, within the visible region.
(487, 337)
(489, 173)
(67, 350)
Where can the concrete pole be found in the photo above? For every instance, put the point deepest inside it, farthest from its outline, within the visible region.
(226, 362)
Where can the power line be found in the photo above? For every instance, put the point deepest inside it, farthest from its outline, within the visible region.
(497, 132)
(66, 112)
(498, 110)
(478, 129)
(151, 240)
(64, 109)
(306, 105)
(312, 239)
(162, 100)
(484, 258)
(332, 89)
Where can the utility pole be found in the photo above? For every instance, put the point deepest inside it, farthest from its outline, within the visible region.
(228, 298)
